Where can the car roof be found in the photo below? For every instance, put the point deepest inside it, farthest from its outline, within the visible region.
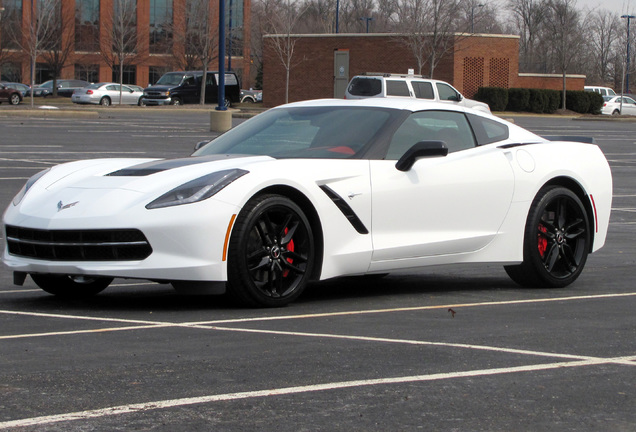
(409, 104)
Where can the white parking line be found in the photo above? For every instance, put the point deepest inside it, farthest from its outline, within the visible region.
(175, 403)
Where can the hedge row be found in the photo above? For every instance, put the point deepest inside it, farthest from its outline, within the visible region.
(539, 100)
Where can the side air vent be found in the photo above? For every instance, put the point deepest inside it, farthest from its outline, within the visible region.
(353, 219)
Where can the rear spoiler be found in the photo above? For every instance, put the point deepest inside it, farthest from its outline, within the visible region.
(582, 139)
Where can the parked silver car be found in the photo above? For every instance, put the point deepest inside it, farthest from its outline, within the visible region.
(107, 94)
(612, 105)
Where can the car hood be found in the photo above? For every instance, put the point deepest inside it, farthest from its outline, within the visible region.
(107, 186)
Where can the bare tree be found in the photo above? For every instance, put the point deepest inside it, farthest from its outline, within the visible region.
(120, 48)
(529, 16)
(563, 32)
(429, 28)
(39, 34)
(282, 20)
(604, 28)
(59, 45)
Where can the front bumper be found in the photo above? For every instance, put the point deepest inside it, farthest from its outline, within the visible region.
(187, 243)
(156, 101)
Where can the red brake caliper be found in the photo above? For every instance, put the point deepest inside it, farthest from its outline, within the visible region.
(543, 241)
(290, 248)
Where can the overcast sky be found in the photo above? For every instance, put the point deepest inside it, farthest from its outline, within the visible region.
(620, 7)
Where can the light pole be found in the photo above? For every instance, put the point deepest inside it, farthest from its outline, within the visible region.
(472, 15)
(629, 17)
(337, 13)
(367, 19)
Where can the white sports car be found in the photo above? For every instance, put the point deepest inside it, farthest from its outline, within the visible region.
(315, 190)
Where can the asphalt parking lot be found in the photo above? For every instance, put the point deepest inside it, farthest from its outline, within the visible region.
(454, 348)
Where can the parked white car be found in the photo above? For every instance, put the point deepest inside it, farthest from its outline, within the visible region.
(410, 86)
(107, 94)
(612, 105)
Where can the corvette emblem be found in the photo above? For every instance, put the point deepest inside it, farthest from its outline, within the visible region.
(61, 206)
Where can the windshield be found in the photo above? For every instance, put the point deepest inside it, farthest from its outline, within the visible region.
(304, 132)
(171, 79)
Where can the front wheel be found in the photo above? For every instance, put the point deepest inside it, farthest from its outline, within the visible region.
(177, 101)
(15, 99)
(556, 241)
(271, 252)
(71, 286)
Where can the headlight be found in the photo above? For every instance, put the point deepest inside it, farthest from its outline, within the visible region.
(30, 182)
(197, 190)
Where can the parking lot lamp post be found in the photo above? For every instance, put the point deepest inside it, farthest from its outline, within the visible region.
(629, 17)
(367, 19)
(472, 15)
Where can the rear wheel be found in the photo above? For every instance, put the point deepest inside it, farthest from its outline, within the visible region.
(556, 241)
(271, 252)
(105, 101)
(616, 112)
(71, 286)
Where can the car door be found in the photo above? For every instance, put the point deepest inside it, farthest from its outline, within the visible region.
(442, 205)
(448, 94)
(629, 106)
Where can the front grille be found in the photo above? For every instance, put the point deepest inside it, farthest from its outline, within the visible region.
(78, 245)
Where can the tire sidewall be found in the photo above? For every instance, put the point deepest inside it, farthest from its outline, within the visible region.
(531, 251)
(240, 283)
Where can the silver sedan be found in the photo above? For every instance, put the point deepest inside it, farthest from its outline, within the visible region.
(107, 94)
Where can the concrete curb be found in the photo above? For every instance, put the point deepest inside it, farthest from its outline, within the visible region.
(49, 113)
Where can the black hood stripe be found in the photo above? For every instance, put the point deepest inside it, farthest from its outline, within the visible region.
(154, 167)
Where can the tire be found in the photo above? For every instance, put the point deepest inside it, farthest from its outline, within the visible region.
(271, 253)
(177, 101)
(616, 112)
(556, 240)
(14, 99)
(248, 100)
(71, 286)
(105, 101)
(227, 103)
(140, 102)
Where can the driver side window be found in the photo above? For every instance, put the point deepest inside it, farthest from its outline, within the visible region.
(448, 126)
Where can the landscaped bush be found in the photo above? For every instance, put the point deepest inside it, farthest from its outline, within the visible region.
(495, 97)
(554, 99)
(518, 99)
(538, 101)
(596, 102)
(577, 101)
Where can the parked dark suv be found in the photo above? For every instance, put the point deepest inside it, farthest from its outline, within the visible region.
(64, 87)
(176, 88)
(10, 95)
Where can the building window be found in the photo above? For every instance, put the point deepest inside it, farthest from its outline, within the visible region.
(234, 25)
(11, 28)
(87, 25)
(130, 74)
(42, 73)
(11, 72)
(86, 72)
(156, 72)
(160, 26)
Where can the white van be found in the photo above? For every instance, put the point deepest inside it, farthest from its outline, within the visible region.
(603, 91)
(411, 86)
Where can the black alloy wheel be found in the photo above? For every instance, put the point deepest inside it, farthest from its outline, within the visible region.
(71, 286)
(557, 240)
(271, 252)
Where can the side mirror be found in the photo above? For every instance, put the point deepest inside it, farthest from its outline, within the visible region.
(200, 144)
(420, 150)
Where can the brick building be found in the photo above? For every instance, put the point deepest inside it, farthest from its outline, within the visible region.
(321, 63)
(159, 26)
